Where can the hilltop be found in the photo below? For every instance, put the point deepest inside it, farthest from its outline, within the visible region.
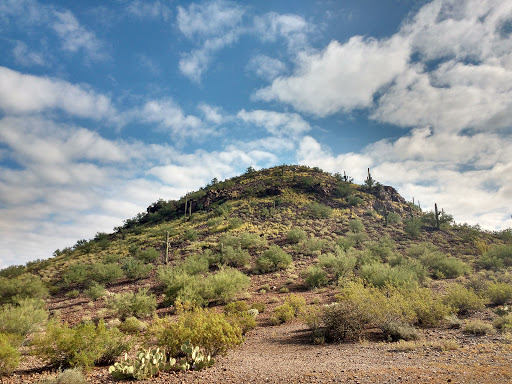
(273, 247)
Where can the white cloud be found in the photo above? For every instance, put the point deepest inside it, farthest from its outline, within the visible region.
(21, 93)
(266, 67)
(211, 18)
(147, 9)
(342, 77)
(171, 117)
(76, 37)
(292, 28)
(276, 123)
(26, 57)
(212, 114)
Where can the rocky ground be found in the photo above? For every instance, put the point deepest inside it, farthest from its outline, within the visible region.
(284, 354)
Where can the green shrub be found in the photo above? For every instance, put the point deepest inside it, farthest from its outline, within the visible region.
(311, 246)
(462, 299)
(497, 257)
(225, 285)
(340, 263)
(292, 307)
(76, 274)
(478, 328)
(380, 275)
(235, 257)
(344, 320)
(504, 323)
(104, 273)
(239, 312)
(207, 329)
(428, 306)
(111, 258)
(382, 249)
(95, 291)
(128, 304)
(23, 287)
(180, 285)
(412, 226)
(343, 189)
(345, 243)
(135, 268)
(273, 259)
(149, 255)
(295, 235)
(244, 240)
(73, 293)
(260, 307)
(499, 293)
(441, 266)
(195, 264)
(397, 330)
(223, 209)
(13, 271)
(82, 346)
(70, 376)
(356, 226)
(355, 201)
(394, 218)
(235, 223)
(132, 325)
(9, 355)
(315, 277)
(319, 211)
(23, 318)
(190, 234)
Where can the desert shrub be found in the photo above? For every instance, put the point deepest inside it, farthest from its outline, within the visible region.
(497, 257)
(504, 323)
(344, 320)
(128, 304)
(82, 346)
(22, 318)
(13, 271)
(260, 307)
(23, 287)
(195, 264)
(397, 330)
(70, 376)
(462, 299)
(442, 266)
(356, 226)
(149, 255)
(311, 246)
(412, 226)
(354, 201)
(340, 263)
(273, 259)
(343, 189)
(95, 291)
(382, 249)
(225, 285)
(319, 211)
(207, 329)
(241, 314)
(289, 310)
(416, 251)
(111, 258)
(244, 240)
(379, 275)
(135, 268)
(104, 273)
(394, 218)
(345, 243)
(412, 265)
(315, 277)
(499, 293)
(73, 293)
(9, 355)
(132, 325)
(223, 209)
(214, 222)
(76, 274)
(478, 328)
(235, 223)
(180, 285)
(295, 235)
(235, 257)
(429, 308)
(190, 234)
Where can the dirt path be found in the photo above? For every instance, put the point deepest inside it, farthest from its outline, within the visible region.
(283, 354)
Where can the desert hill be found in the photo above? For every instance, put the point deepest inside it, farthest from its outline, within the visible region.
(285, 246)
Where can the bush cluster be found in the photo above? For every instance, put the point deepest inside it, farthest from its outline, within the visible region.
(289, 310)
(23, 318)
(128, 304)
(22, 287)
(9, 354)
(319, 211)
(295, 235)
(273, 259)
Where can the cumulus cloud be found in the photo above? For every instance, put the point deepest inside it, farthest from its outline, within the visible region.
(276, 123)
(342, 77)
(292, 28)
(21, 93)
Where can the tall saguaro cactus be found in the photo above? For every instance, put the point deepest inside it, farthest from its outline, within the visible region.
(437, 216)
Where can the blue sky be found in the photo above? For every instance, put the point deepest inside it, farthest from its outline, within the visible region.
(105, 107)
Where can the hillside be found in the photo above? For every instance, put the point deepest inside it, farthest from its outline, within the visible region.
(264, 249)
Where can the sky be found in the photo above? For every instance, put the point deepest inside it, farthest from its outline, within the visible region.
(106, 107)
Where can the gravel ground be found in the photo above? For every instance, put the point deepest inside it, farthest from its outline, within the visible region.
(283, 354)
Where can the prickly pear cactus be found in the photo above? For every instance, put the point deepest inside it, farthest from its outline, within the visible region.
(148, 363)
(194, 359)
